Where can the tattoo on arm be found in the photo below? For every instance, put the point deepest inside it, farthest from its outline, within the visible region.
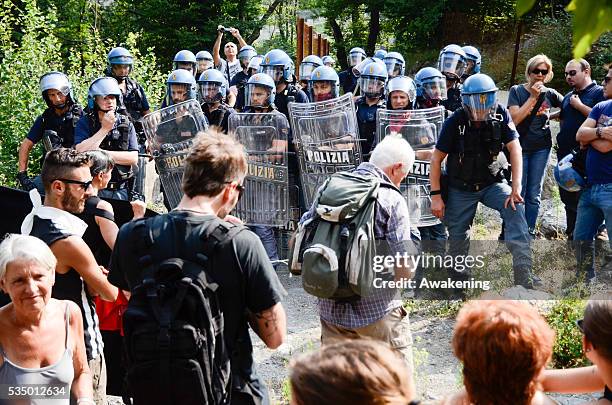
(265, 323)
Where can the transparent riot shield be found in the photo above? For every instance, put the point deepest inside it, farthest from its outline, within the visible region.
(326, 137)
(421, 129)
(170, 133)
(266, 199)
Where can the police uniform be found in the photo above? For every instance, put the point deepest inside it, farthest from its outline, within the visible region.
(218, 117)
(474, 175)
(453, 100)
(240, 80)
(348, 81)
(366, 119)
(121, 138)
(291, 94)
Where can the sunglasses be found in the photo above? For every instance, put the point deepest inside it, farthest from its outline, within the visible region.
(543, 72)
(571, 73)
(84, 184)
(239, 187)
(607, 79)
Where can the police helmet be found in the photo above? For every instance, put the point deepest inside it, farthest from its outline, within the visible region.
(103, 86)
(473, 60)
(479, 97)
(567, 177)
(324, 74)
(57, 81)
(395, 64)
(259, 80)
(203, 55)
(119, 56)
(356, 55)
(180, 76)
(309, 63)
(245, 55)
(213, 86)
(373, 79)
(254, 64)
(278, 65)
(430, 84)
(359, 67)
(404, 84)
(185, 57)
(328, 61)
(452, 61)
(380, 54)
(204, 60)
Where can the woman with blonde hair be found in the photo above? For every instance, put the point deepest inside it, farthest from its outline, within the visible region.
(352, 372)
(41, 338)
(530, 106)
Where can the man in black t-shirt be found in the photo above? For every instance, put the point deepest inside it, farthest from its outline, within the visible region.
(249, 290)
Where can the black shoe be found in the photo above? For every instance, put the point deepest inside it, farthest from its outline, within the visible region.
(524, 277)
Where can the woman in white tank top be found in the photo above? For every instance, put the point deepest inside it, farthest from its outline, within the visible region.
(42, 351)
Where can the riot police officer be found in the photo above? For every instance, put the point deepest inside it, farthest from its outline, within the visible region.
(328, 61)
(431, 87)
(348, 79)
(213, 90)
(308, 64)
(396, 65)
(372, 85)
(120, 63)
(471, 140)
(279, 66)
(452, 62)
(324, 84)
(104, 127)
(473, 61)
(185, 59)
(55, 126)
(180, 86)
(204, 62)
(236, 86)
(380, 54)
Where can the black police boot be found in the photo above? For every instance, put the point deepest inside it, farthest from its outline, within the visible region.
(524, 277)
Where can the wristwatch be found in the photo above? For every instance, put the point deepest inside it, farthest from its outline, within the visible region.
(598, 132)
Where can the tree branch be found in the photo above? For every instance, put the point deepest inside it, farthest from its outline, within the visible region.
(339, 39)
(262, 21)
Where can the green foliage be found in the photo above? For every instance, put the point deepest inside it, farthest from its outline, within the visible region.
(567, 352)
(37, 50)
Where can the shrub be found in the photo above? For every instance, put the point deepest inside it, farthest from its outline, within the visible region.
(567, 352)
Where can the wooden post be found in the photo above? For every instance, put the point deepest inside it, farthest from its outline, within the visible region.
(321, 49)
(307, 40)
(300, 43)
(517, 45)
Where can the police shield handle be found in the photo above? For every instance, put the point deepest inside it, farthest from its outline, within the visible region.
(108, 121)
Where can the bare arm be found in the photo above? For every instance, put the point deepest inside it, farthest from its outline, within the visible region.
(216, 47)
(602, 145)
(24, 154)
(435, 172)
(82, 382)
(587, 134)
(124, 157)
(108, 228)
(519, 114)
(241, 41)
(270, 325)
(74, 253)
(573, 380)
(516, 160)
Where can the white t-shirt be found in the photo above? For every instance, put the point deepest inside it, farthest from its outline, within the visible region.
(234, 67)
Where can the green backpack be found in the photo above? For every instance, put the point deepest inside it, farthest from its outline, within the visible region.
(334, 250)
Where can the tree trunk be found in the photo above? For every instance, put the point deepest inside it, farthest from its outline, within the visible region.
(262, 21)
(339, 40)
(374, 30)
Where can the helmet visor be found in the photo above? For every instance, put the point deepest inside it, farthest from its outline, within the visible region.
(394, 67)
(306, 69)
(372, 86)
(452, 64)
(354, 58)
(275, 72)
(480, 106)
(210, 92)
(257, 96)
(435, 89)
(204, 65)
(190, 66)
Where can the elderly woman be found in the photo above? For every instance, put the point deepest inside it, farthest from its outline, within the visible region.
(596, 328)
(529, 105)
(504, 347)
(41, 338)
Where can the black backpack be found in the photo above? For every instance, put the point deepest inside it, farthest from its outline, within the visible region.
(174, 343)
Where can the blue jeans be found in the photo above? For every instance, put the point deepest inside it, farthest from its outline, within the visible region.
(594, 207)
(534, 168)
(461, 209)
(266, 235)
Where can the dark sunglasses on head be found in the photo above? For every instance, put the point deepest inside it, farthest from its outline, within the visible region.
(84, 184)
(607, 79)
(571, 73)
(543, 72)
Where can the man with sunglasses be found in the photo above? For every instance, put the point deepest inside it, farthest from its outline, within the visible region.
(67, 181)
(576, 106)
(595, 204)
(250, 292)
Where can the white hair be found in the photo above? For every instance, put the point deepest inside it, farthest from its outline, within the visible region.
(25, 247)
(391, 150)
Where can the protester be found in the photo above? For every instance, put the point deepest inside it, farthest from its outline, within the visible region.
(351, 373)
(530, 106)
(41, 338)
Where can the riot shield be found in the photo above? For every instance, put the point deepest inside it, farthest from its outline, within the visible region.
(421, 129)
(326, 137)
(170, 132)
(266, 199)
